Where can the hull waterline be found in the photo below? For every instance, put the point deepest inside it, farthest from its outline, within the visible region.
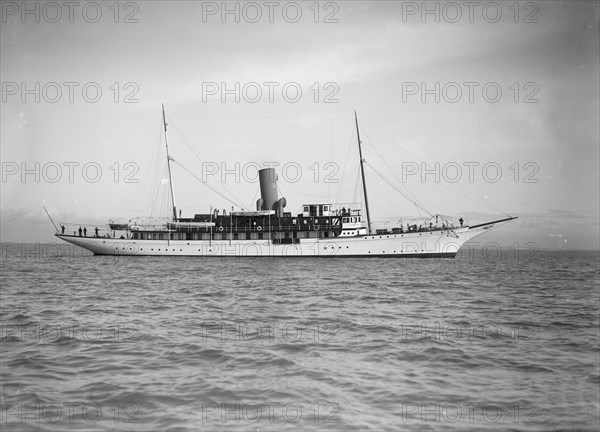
(427, 244)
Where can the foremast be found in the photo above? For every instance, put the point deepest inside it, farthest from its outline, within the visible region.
(169, 164)
(362, 175)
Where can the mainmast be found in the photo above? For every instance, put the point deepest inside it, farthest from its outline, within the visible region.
(169, 165)
(362, 174)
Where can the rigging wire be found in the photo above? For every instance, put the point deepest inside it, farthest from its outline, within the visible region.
(149, 183)
(159, 189)
(212, 114)
(159, 192)
(166, 199)
(473, 197)
(254, 199)
(330, 157)
(200, 157)
(398, 190)
(345, 165)
(408, 195)
(354, 198)
(207, 185)
(288, 188)
(391, 170)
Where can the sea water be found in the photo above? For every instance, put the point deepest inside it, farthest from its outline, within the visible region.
(507, 340)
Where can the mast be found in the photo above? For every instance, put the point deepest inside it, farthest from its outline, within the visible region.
(169, 165)
(362, 175)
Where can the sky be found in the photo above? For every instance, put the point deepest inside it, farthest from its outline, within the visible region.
(474, 110)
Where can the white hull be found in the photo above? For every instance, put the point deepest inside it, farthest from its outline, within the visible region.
(317, 226)
(426, 244)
